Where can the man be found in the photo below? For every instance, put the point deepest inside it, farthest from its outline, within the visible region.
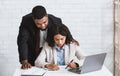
(34, 29)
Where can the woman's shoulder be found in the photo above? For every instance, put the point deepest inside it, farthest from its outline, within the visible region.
(72, 44)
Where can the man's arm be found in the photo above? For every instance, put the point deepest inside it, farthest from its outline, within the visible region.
(22, 40)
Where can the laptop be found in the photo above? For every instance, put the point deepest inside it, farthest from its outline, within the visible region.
(91, 63)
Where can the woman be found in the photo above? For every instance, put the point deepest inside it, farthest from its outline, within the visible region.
(59, 51)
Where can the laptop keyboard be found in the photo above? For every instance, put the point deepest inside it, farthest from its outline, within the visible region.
(77, 70)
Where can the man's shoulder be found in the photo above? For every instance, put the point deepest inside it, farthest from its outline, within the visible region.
(27, 21)
(28, 15)
(28, 18)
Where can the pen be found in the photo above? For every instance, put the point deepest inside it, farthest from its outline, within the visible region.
(68, 65)
(43, 73)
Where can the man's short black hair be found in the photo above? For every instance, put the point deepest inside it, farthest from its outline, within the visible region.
(38, 12)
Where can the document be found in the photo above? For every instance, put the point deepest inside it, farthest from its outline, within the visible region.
(34, 71)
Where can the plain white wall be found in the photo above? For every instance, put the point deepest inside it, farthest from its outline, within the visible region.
(90, 22)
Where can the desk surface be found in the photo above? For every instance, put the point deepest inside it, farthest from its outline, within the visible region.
(62, 72)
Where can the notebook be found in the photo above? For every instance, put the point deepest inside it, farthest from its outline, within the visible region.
(91, 63)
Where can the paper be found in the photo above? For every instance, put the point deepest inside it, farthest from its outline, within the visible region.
(33, 71)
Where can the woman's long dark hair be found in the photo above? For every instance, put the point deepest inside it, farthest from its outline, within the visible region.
(58, 29)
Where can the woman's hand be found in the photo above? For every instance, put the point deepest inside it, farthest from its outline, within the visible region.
(72, 65)
(52, 66)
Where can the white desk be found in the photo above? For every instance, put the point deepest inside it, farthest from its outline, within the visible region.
(62, 72)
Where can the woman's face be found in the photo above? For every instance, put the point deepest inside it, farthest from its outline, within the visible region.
(59, 40)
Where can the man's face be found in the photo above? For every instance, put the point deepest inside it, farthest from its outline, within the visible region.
(59, 40)
(42, 23)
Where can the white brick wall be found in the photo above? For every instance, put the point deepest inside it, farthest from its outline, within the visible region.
(90, 22)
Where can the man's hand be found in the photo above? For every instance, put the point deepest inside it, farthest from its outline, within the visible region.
(75, 42)
(25, 64)
(52, 66)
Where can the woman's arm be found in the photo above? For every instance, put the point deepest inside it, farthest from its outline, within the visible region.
(76, 53)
